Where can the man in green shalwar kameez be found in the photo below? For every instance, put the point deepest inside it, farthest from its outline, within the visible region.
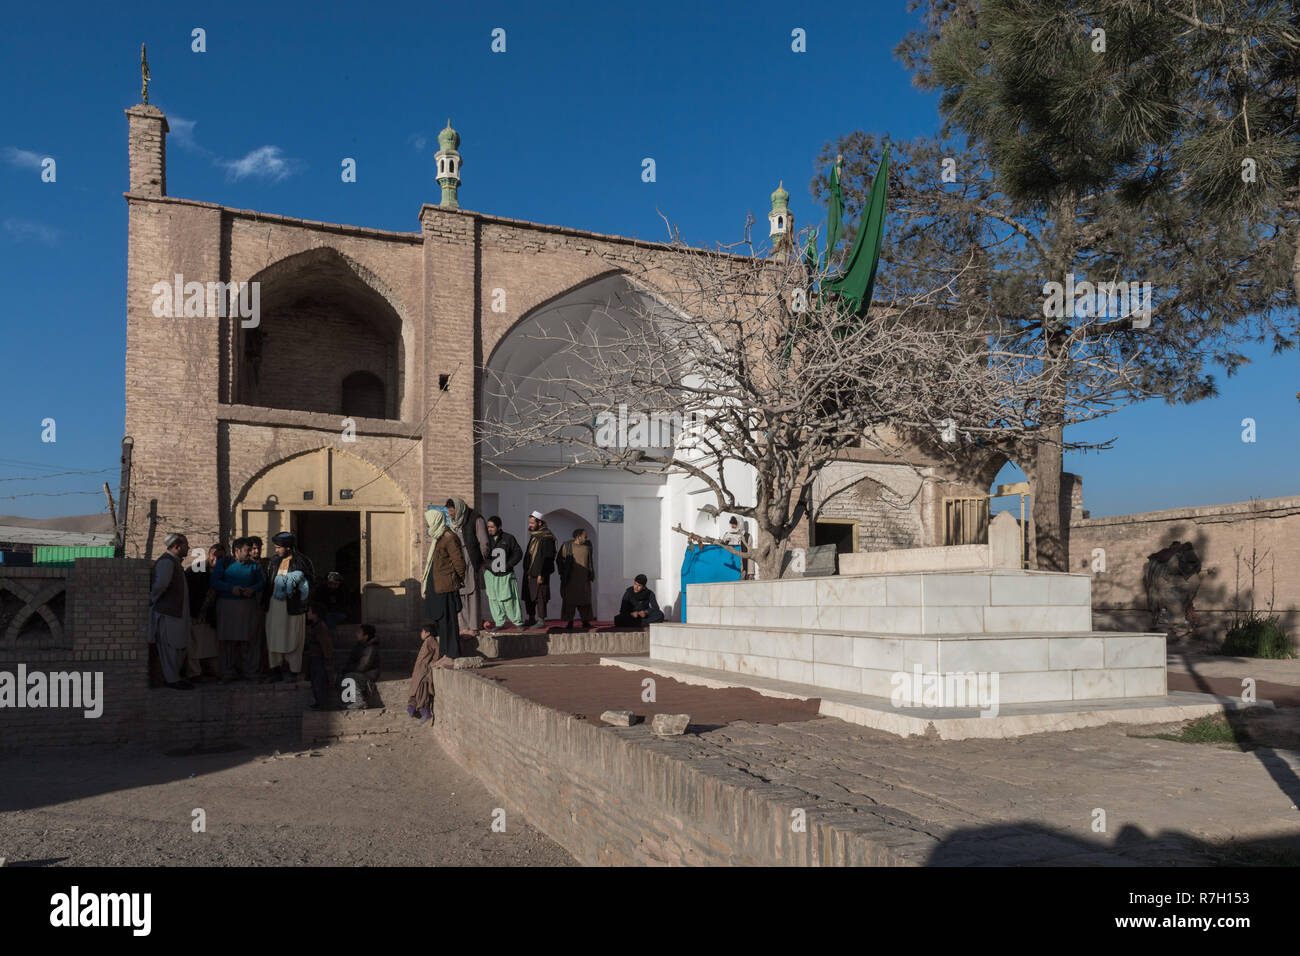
(499, 581)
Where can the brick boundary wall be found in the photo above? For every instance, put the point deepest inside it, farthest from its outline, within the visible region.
(1223, 535)
(622, 796)
(496, 645)
(106, 613)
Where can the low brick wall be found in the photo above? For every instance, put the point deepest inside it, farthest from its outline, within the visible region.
(1224, 536)
(515, 644)
(622, 796)
(103, 630)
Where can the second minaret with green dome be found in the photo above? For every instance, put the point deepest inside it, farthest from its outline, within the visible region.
(780, 220)
(448, 163)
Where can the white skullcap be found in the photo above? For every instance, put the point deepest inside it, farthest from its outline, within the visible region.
(171, 539)
(537, 515)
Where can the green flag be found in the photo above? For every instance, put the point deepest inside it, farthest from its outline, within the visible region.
(855, 285)
(835, 213)
(810, 253)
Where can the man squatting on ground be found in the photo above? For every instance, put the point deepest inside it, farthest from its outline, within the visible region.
(363, 667)
(639, 606)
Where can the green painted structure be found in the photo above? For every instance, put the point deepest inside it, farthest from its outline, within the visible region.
(62, 556)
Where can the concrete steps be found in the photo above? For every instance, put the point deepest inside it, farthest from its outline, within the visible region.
(326, 726)
(320, 727)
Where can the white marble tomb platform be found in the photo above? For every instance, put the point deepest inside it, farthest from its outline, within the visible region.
(854, 634)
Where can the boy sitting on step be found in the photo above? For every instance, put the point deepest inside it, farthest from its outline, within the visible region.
(362, 670)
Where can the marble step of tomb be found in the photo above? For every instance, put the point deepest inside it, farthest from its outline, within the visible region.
(940, 602)
(1030, 667)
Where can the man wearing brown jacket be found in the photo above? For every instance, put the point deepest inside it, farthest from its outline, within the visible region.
(444, 573)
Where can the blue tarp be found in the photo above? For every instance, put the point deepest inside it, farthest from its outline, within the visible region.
(706, 564)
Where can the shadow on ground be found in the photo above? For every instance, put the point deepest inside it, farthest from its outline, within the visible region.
(47, 778)
(1031, 844)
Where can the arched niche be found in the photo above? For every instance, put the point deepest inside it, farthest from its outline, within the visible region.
(323, 318)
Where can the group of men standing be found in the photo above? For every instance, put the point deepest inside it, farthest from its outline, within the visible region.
(491, 594)
(222, 611)
(217, 616)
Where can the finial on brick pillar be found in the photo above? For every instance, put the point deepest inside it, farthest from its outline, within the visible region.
(147, 140)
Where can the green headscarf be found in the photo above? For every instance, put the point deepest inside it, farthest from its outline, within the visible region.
(437, 523)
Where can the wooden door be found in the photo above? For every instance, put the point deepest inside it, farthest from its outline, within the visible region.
(384, 572)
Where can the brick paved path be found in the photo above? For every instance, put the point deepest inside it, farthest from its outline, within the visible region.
(1028, 800)
(1025, 800)
(1031, 799)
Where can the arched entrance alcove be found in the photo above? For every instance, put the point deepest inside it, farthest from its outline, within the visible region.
(349, 517)
(563, 523)
(628, 516)
(329, 339)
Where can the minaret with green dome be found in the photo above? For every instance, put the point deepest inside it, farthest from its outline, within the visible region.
(448, 161)
(781, 221)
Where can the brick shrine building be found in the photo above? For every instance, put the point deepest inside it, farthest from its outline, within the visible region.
(350, 407)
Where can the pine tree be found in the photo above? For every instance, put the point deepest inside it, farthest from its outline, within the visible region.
(1057, 177)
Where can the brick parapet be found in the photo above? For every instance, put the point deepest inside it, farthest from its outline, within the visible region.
(106, 618)
(621, 796)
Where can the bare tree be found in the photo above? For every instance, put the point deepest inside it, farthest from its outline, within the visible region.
(735, 371)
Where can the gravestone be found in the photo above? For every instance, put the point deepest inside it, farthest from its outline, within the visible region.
(1006, 541)
(821, 561)
(817, 562)
(792, 564)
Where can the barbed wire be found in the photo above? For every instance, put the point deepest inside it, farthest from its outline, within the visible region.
(162, 520)
(58, 474)
(383, 472)
(50, 494)
(32, 464)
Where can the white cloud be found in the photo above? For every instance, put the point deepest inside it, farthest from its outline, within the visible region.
(23, 230)
(182, 132)
(22, 158)
(265, 162)
(419, 140)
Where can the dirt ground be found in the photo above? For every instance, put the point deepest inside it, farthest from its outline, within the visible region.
(578, 684)
(400, 801)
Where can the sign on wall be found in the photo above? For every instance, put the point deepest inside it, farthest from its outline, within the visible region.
(610, 514)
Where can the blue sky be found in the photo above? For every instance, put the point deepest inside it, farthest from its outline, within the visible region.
(553, 130)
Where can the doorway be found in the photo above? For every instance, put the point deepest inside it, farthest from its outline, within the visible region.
(331, 540)
(352, 519)
(842, 534)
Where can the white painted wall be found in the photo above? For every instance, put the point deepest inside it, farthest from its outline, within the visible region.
(530, 359)
(643, 544)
